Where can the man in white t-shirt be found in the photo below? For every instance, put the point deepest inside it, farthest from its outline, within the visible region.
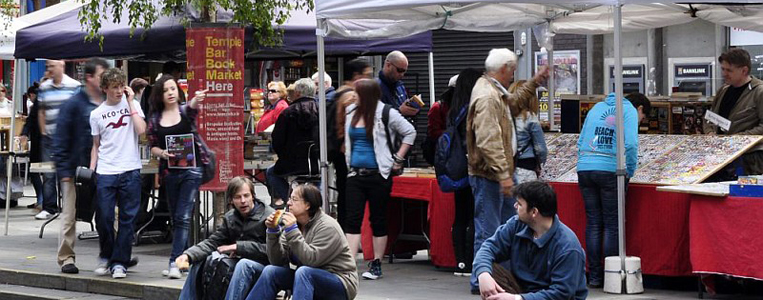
(115, 126)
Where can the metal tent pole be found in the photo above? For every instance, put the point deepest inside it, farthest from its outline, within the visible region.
(322, 115)
(620, 142)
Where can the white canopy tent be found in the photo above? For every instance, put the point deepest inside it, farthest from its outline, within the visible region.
(404, 17)
(7, 48)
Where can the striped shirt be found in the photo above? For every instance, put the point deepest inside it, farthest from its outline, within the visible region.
(51, 98)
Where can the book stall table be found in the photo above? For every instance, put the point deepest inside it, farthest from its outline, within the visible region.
(438, 218)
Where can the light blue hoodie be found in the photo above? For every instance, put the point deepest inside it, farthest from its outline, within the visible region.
(597, 148)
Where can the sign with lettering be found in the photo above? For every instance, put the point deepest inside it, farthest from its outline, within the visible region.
(216, 64)
(716, 119)
(692, 70)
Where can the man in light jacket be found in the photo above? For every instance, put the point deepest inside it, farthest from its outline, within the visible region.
(491, 143)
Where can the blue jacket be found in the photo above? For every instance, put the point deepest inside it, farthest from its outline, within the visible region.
(551, 267)
(597, 150)
(393, 93)
(72, 142)
(529, 131)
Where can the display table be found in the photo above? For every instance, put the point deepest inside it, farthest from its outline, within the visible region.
(657, 226)
(440, 215)
(725, 236)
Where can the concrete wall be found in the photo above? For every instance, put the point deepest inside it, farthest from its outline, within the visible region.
(695, 39)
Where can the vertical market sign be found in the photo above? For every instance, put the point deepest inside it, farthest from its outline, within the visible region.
(216, 63)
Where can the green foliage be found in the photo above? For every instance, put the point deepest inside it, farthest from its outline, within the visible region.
(259, 14)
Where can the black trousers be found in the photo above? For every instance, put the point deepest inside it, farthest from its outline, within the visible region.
(463, 227)
(376, 190)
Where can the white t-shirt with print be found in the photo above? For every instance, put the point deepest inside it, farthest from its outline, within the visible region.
(118, 151)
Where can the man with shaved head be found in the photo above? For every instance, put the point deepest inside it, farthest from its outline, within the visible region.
(53, 93)
(393, 89)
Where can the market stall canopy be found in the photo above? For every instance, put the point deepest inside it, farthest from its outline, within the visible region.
(62, 37)
(399, 18)
(11, 26)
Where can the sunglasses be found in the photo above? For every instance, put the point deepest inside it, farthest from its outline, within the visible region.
(398, 69)
(273, 91)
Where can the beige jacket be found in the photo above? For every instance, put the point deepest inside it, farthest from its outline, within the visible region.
(490, 138)
(322, 245)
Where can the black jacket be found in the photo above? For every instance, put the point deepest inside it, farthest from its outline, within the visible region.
(294, 139)
(248, 233)
(31, 130)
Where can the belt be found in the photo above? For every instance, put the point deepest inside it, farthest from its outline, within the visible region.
(362, 172)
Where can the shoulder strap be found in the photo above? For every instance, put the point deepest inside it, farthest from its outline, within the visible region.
(385, 120)
(461, 115)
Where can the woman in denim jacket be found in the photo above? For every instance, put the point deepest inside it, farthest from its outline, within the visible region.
(531, 146)
(178, 175)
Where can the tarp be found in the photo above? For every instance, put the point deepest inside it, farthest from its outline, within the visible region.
(62, 37)
(8, 33)
(399, 18)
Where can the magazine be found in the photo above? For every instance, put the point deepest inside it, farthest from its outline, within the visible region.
(182, 147)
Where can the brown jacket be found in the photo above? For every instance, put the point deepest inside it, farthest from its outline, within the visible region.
(490, 140)
(747, 115)
(322, 245)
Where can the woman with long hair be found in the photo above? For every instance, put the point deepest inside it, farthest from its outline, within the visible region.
(170, 122)
(371, 163)
(531, 145)
(31, 132)
(277, 103)
(463, 223)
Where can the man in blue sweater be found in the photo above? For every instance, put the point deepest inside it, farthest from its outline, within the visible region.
(545, 257)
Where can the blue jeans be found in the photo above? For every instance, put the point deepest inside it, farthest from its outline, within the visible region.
(122, 190)
(181, 187)
(599, 190)
(244, 276)
(279, 186)
(306, 283)
(36, 180)
(492, 208)
(49, 182)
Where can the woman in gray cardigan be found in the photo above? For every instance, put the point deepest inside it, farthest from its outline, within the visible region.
(308, 253)
(371, 161)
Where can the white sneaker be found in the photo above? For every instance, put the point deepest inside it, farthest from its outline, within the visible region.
(118, 271)
(102, 268)
(43, 215)
(174, 273)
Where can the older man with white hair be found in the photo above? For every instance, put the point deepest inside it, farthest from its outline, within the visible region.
(327, 84)
(292, 138)
(491, 143)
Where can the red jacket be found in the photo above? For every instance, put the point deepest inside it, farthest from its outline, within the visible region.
(437, 120)
(271, 116)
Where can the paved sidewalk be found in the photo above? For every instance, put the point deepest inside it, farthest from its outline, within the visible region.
(27, 260)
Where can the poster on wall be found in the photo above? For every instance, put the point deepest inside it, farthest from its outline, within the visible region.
(216, 64)
(566, 78)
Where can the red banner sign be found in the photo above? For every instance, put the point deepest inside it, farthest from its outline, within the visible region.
(216, 63)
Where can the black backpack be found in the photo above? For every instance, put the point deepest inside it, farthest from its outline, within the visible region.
(450, 163)
(393, 145)
(215, 277)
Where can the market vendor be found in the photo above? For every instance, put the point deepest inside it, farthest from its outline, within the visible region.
(740, 101)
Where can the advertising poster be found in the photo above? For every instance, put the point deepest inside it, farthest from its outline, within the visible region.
(566, 78)
(216, 63)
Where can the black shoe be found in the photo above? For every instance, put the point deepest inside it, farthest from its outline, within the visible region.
(33, 205)
(69, 269)
(475, 291)
(133, 262)
(595, 285)
(374, 270)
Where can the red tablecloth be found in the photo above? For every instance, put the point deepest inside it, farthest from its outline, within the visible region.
(725, 236)
(440, 215)
(657, 223)
(657, 226)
